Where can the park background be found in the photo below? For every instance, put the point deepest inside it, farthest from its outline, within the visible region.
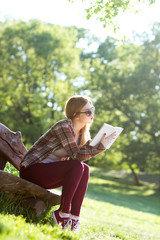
(43, 61)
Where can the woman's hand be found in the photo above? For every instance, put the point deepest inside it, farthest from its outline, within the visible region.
(107, 140)
(60, 153)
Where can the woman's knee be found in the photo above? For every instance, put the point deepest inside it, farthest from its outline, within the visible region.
(78, 165)
(86, 169)
(81, 167)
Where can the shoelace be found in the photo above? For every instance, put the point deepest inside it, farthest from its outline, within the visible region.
(75, 225)
(67, 222)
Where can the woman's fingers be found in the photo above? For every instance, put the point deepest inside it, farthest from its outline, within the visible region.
(106, 140)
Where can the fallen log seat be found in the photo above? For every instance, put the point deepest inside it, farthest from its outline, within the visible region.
(33, 195)
(12, 148)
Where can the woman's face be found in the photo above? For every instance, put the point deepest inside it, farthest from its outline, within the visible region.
(86, 115)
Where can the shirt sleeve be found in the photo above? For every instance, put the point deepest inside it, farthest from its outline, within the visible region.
(65, 134)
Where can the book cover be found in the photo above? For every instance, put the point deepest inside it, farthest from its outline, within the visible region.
(108, 129)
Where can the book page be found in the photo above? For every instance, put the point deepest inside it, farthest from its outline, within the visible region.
(108, 129)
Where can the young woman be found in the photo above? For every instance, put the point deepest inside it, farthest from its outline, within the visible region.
(57, 159)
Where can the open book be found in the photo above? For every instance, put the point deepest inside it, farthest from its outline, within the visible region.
(108, 129)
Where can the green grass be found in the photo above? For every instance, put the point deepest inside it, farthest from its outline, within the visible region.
(113, 209)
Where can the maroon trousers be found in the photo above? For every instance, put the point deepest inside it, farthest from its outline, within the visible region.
(72, 175)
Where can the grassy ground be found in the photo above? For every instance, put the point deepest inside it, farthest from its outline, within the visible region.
(113, 209)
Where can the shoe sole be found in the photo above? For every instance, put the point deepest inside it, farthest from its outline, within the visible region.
(54, 218)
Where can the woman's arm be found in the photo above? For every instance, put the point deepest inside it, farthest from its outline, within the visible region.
(65, 134)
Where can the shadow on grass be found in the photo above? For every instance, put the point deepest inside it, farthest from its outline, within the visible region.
(123, 192)
(126, 177)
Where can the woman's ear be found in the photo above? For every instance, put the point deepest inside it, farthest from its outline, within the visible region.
(75, 116)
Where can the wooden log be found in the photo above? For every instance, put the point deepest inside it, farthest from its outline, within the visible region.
(14, 139)
(11, 147)
(10, 155)
(3, 161)
(17, 186)
(13, 150)
(38, 205)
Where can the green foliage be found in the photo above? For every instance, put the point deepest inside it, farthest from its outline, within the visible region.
(16, 228)
(125, 84)
(38, 62)
(107, 10)
(9, 168)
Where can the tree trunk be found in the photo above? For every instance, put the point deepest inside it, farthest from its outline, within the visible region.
(135, 176)
(159, 182)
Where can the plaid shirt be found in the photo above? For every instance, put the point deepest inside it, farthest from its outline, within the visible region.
(60, 135)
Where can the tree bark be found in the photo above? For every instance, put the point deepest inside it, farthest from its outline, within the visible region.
(3, 161)
(11, 147)
(32, 195)
(135, 176)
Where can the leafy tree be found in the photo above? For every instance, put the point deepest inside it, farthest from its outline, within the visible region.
(125, 83)
(39, 63)
(107, 10)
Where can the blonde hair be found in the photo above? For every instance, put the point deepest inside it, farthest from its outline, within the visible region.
(74, 105)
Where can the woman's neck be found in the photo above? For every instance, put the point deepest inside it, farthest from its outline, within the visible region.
(77, 126)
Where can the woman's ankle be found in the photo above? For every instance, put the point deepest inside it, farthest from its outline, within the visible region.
(74, 217)
(62, 214)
